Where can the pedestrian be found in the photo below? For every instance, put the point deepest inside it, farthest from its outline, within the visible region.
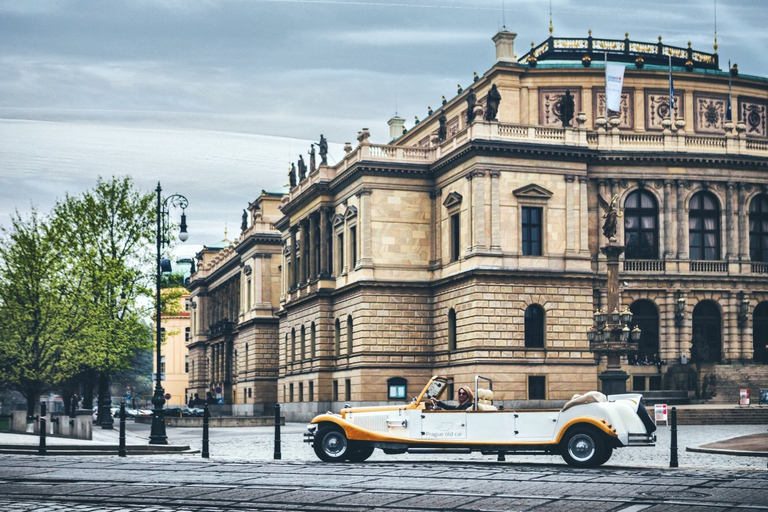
(210, 399)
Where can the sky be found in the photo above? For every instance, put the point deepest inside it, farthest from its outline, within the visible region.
(214, 98)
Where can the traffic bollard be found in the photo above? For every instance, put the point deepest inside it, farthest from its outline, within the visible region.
(278, 455)
(43, 412)
(121, 447)
(206, 415)
(673, 440)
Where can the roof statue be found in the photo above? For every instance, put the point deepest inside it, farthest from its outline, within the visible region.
(471, 100)
(312, 158)
(323, 145)
(442, 130)
(492, 104)
(566, 108)
(302, 168)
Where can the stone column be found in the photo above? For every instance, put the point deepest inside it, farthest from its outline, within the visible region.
(304, 251)
(682, 231)
(265, 280)
(478, 238)
(324, 243)
(435, 257)
(732, 232)
(570, 222)
(584, 214)
(495, 210)
(743, 226)
(364, 228)
(669, 236)
(313, 247)
(294, 260)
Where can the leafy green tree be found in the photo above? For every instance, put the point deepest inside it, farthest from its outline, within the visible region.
(42, 314)
(109, 233)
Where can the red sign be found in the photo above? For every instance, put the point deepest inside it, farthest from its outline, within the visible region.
(744, 397)
(167, 396)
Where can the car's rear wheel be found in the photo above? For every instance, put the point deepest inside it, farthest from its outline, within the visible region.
(331, 444)
(359, 453)
(584, 447)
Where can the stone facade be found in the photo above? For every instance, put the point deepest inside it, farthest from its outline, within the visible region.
(480, 253)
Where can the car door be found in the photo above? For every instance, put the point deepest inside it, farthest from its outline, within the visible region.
(443, 425)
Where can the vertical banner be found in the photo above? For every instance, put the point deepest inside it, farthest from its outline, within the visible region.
(614, 80)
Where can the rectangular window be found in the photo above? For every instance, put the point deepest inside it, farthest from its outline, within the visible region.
(186, 334)
(162, 365)
(340, 252)
(311, 391)
(537, 387)
(352, 247)
(301, 391)
(531, 231)
(335, 391)
(347, 390)
(397, 391)
(290, 392)
(248, 302)
(455, 237)
(186, 364)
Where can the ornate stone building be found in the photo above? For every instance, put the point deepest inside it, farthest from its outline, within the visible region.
(234, 297)
(470, 244)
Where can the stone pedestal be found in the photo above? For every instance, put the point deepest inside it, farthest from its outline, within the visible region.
(614, 382)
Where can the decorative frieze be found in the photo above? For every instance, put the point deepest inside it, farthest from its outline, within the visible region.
(752, 112)
(709, 113)
(657, 108)
(626, 114)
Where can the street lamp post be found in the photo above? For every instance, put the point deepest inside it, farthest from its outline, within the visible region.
(157, 434)
(611, 335)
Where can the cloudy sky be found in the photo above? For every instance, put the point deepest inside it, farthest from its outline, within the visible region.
(213, 98)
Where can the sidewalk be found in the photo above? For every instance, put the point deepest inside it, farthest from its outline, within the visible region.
(103, 442)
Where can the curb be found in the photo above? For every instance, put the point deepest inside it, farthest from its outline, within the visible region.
(717, 451)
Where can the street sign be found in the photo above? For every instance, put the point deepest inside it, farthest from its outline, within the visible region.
(660, 412)
(744, 397)
(167, 396)
(218, 389)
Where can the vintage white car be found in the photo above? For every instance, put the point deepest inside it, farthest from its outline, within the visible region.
(584, 432)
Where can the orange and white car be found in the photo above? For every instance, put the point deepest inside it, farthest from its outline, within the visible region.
(584, 432)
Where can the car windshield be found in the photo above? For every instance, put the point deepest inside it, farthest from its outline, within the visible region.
(435, 389)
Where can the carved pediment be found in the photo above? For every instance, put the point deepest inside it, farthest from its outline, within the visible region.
(351, 212)
(532, 191)
(337, 220)
(453, 199)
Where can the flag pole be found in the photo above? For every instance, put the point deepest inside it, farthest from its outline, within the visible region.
(605, 114)
(729, 112)
(671, 92)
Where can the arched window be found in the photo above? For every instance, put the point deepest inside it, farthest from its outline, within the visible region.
(704, 227)
(641, 228)
(337, 337)
(397, 388)
(534, 326)
(758, 228)
(312, 341)
(452, 329)
(303, 343)
(646, 317)
(349, 335)
(760, 333)
(706, 342)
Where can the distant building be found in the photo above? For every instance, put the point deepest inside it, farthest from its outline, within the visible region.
(470, 244)
(176, 330)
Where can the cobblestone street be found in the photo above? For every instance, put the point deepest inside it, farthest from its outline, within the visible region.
(156, 484)
(257, 444)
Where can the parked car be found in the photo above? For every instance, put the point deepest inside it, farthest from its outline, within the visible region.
(584, 432)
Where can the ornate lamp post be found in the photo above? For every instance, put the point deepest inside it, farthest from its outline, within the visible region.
(611, 335)
(157, 434)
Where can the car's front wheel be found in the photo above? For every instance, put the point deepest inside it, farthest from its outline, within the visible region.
(584, 447)
(331, 444)
(359, 453)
